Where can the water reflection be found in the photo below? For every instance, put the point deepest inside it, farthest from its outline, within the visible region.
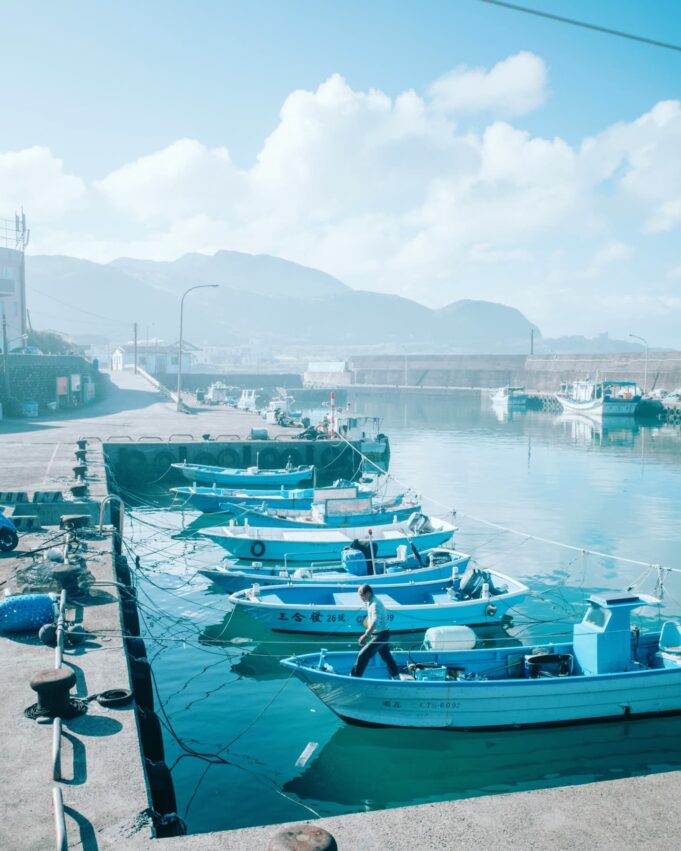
(621, 431)
(381, 768)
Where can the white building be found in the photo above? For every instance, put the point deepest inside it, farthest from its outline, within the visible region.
(154, 358)
(13, 241)
(327, 374)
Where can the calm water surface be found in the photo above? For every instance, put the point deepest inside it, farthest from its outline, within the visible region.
(236, 723)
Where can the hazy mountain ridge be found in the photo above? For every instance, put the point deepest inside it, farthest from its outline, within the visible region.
(260, 298)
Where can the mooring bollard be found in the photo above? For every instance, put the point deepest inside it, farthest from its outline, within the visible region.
(52, 687)
(302, 837)
(66, 577)
(81, 455)
(79, 471)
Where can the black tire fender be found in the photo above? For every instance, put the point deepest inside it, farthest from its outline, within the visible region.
(257, 549)
(114, 697)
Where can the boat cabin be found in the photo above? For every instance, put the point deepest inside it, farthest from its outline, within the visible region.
(602, 641)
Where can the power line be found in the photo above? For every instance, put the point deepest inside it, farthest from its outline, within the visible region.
(583, 24)
(82, 310)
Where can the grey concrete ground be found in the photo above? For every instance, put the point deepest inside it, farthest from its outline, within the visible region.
(104, 788)
(105, 793)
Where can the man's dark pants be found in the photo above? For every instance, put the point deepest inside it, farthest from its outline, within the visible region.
(378, 643)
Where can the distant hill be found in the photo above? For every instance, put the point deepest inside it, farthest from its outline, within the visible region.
(260, 298)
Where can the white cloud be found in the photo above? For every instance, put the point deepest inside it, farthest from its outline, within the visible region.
(515, 86)
(184, 179)
(35, 179)
(390, 194)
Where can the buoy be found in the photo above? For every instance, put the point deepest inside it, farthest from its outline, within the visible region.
(449, 638)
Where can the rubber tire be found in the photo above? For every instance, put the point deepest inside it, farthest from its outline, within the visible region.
(161, 462)
(268, 459)
(8, 540)
(114, 697)
(229, 458)
(257, 549)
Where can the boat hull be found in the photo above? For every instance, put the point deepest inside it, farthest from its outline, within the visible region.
(237, 580)
(305, 551)
(349, 620)
(493, 705)
(600, 407)
(226, 478)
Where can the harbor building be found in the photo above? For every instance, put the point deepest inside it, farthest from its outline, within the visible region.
(13, 241)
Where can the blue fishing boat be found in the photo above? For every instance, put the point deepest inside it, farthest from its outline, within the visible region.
(210, 499)
(607, 671)
(354, 569)
(471, 597)
(248, 477)
(335, 513)
(308, 545)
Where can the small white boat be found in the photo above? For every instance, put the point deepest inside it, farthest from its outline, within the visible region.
(365, 432)
(310, 545)
(513, 398)
(247, 400)
(471, 597)
(600, 398)
(216, 394)
(608, 671)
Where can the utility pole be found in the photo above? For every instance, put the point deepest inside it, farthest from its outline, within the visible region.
(134, 326)
(4, 352)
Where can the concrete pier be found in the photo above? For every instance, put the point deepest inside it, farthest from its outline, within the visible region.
(103, 784)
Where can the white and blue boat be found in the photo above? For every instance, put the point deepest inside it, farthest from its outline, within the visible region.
(354, 569)
(247, 477)
(214, 499)
(327, 544)
(471, 597)
(608, 671)
(332, 513)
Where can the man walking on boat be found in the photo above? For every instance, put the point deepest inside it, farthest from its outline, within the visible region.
(376, 635)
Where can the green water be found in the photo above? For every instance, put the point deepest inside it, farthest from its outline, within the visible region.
(243, 722)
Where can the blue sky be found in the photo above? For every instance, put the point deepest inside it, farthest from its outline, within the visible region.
(90, 88)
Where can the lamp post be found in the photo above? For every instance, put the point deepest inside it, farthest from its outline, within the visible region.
(645, 365)
(179, 353)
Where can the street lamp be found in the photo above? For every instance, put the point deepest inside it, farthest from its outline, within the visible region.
(645, 366)
(179, 352)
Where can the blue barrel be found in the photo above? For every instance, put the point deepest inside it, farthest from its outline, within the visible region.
(26, 612)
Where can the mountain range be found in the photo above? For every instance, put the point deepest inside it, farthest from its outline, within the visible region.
(260, 298)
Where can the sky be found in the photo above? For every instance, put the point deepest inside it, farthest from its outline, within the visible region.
(438, 150)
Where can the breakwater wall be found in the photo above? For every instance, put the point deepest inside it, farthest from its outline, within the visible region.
(148, 461)
(193, 381)
(543, 373)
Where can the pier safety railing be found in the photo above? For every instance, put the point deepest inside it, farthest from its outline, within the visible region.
(57, 797)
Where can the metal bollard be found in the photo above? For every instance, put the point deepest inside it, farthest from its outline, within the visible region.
(302, 837)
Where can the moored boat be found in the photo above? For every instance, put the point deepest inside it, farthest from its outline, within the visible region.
(331, 513)
(608, 671)
(247, 477)
(513, 398)
(294, 500)
(308, 545)
(600, 398)
(436, 565)
(471, 597)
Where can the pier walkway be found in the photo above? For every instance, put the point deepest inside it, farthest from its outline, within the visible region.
(104, 790)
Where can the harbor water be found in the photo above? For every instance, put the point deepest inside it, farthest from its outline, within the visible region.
(250, 745)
